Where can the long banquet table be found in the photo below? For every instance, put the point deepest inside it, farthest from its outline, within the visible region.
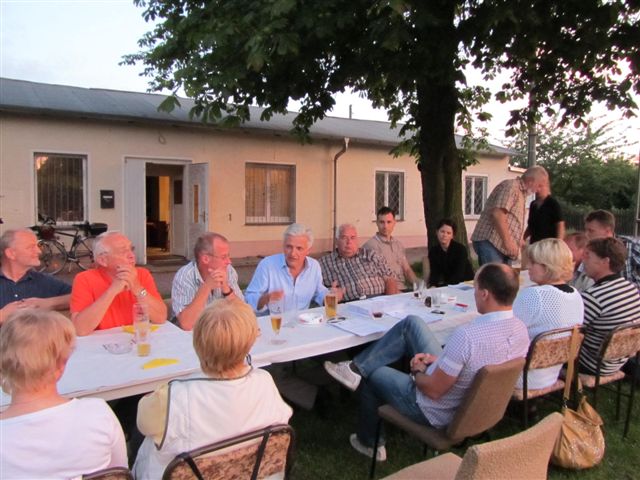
(93, 371)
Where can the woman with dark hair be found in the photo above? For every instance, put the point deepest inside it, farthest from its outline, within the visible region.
(449, 260)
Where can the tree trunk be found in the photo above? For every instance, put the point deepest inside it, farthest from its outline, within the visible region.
(439, 163)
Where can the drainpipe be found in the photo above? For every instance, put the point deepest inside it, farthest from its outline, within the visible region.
(335, 188)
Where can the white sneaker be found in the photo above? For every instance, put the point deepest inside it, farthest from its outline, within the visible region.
(381, 454)
(342, 373)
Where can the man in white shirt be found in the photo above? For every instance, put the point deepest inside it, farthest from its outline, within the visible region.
(207, 277)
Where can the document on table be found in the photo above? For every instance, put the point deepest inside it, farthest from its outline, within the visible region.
(421, 312)
(360, 326)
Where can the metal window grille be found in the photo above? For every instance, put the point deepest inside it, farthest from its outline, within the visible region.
(270, 193)
(475, 195)
(61, 191)
(390, 192)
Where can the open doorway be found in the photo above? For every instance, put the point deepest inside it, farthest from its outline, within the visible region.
(164, 213)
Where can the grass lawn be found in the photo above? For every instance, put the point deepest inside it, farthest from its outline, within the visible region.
(323, 449)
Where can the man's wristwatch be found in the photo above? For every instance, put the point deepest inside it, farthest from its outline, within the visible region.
(412, 376)
(142, 293)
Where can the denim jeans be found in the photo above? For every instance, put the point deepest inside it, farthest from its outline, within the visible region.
(487, 253)
(382, 384)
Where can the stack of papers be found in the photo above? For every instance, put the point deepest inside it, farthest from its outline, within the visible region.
(360, 326)
(422, 313)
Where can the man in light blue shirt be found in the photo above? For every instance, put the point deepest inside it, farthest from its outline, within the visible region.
(292, 275)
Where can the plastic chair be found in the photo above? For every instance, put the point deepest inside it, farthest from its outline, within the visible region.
(622, 342)
(253, 455)
(482, 408)
(524, 455)
(113, 473)
(545, 350)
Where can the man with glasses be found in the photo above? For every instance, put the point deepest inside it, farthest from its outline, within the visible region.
(103, 297)
(207, 277)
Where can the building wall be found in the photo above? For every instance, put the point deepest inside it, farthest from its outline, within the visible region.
(107, 144)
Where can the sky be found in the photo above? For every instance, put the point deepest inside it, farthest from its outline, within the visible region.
(81, 42)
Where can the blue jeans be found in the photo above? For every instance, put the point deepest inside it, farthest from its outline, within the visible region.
(487, 253)
(382, 384)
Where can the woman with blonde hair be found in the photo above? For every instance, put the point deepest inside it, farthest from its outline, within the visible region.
(45, 435)
(552, 303)
(230, 399)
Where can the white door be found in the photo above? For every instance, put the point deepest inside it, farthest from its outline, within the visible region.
(198, 201)
(134, 206)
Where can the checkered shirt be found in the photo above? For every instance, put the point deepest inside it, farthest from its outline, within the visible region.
(490, 339)
(188, 280)
(393, 252)
(361, 275)
(509, 195)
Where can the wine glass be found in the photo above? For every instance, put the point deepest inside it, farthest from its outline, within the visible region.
(418, 290)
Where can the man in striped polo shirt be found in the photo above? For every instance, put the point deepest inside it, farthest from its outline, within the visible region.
(610, 302)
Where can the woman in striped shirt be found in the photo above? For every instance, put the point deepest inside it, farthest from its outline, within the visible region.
(612, 301)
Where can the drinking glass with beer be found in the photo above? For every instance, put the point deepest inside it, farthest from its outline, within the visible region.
(331, 305)
(142, 329)
(276, 311)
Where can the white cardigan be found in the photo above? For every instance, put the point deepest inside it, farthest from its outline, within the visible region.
(201, 411)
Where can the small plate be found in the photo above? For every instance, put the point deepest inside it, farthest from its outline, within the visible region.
(118, 348)
(313, 319)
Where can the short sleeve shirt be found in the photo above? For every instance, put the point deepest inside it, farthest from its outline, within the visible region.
(508, 195)
(361, 275)
(188, 280)
(543, 219)
(490, 339)
(90, 285)
(32, 284)
(393, 252)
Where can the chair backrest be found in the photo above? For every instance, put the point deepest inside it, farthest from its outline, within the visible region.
(486, 401)
(622, 342)
(253, 455)
(551, 348)
(524, 455)
(113, 473)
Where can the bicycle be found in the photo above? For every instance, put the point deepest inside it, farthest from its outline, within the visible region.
(53, 254)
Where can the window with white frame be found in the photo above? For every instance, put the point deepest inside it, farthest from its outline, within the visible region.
(390, 192)
(475, 194)
(270, 193)
(61, 186)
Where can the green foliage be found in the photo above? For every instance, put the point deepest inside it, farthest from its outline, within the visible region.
(323, 451)
(586, 165)
(406, 56)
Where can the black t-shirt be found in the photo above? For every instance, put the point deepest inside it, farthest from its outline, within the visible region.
(450, 267)
(543, 219)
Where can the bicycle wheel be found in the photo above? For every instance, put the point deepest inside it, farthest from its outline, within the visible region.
(52, 256)
(83, 254)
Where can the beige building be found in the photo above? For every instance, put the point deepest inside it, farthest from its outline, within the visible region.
(107, 156)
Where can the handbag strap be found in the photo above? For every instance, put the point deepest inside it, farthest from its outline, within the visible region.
(573, 350)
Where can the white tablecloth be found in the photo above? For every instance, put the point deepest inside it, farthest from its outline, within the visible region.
(93, 371)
